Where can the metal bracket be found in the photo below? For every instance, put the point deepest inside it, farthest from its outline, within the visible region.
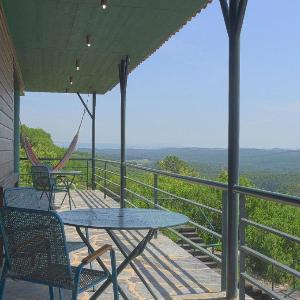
(239, 15)
(225, 11)
(85, 106)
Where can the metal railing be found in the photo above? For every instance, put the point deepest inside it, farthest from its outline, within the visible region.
(107, 178)
(110, 169)
(246, 250)
(107, 170)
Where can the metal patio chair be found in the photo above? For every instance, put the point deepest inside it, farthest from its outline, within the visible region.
(43, 182)
(35, 251)
(23, 197)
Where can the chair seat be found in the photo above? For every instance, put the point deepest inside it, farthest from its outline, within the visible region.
(89, 277)
(57, 276)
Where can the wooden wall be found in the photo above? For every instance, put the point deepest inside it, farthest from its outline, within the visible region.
(6, 105)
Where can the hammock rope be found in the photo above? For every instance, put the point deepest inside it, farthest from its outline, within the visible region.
(33, 158)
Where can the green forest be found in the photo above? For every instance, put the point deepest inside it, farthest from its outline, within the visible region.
(282, 217)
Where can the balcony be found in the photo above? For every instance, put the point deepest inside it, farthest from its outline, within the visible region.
(187, 262)
(58, 47)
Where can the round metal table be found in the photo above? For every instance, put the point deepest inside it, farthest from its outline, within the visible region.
(111, 219)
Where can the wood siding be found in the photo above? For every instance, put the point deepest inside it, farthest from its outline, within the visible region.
(6, 104)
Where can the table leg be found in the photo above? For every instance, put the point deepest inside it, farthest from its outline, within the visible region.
(90, 248)
(100, 262)
(138, 250)
(68, 183)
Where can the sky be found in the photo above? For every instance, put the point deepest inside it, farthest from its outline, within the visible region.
(179, 96)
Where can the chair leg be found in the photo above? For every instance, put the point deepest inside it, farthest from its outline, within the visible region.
(2, 281)
(74, 295)
(51, 292)
(114, 274)
(2, 286)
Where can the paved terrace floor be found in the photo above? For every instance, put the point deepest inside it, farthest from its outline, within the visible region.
(172, 272)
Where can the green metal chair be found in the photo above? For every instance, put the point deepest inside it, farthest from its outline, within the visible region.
(43, 182)
(35, 251)
(23, 197)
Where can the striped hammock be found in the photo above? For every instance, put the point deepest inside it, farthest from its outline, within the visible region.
(35, 160)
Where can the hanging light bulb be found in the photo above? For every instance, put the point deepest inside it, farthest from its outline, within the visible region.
(77, 65)
(88, 40)
(104, 4)
(71, 80)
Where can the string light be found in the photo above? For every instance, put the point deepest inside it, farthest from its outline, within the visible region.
(88, 41)
(77, 64)
(104, 4)
(71, 80)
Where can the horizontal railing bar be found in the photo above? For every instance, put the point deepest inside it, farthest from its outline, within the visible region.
(175, 196)
(108, 171)
(203, 250)
(108, 161)
(219, 236)
(109, 181)
(58, 158)
(270, 260)
(214, 184)
(277, 197)
(271, 230)
(163, 208)
(190, 201)
(140, 182)
(110, 191)
(262, 287)
(139, 196)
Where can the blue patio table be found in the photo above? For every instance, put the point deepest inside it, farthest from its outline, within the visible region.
(111, 219)
(67, 178)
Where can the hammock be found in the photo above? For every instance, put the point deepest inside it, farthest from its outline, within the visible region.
(32, 157)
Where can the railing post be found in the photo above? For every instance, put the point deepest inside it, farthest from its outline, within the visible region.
(224, 240)
(87, 174)
(155, 185)
(123, 73)
(242, 233)
(105, 166)
(233, 12)
(94, 143)
(155, 194)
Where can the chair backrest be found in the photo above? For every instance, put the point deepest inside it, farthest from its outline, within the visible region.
(24, 197)
(35, 246)
(41, 178)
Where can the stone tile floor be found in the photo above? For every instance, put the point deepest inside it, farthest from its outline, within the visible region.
(171, 271)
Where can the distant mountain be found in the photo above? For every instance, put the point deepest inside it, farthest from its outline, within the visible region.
(251, 160)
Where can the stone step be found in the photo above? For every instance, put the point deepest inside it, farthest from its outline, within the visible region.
(203, 258)
(187, 246)
(190, 235)
(186, 229)
(211, 264)
(196, 240)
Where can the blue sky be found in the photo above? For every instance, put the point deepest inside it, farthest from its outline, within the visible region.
(178, 97)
